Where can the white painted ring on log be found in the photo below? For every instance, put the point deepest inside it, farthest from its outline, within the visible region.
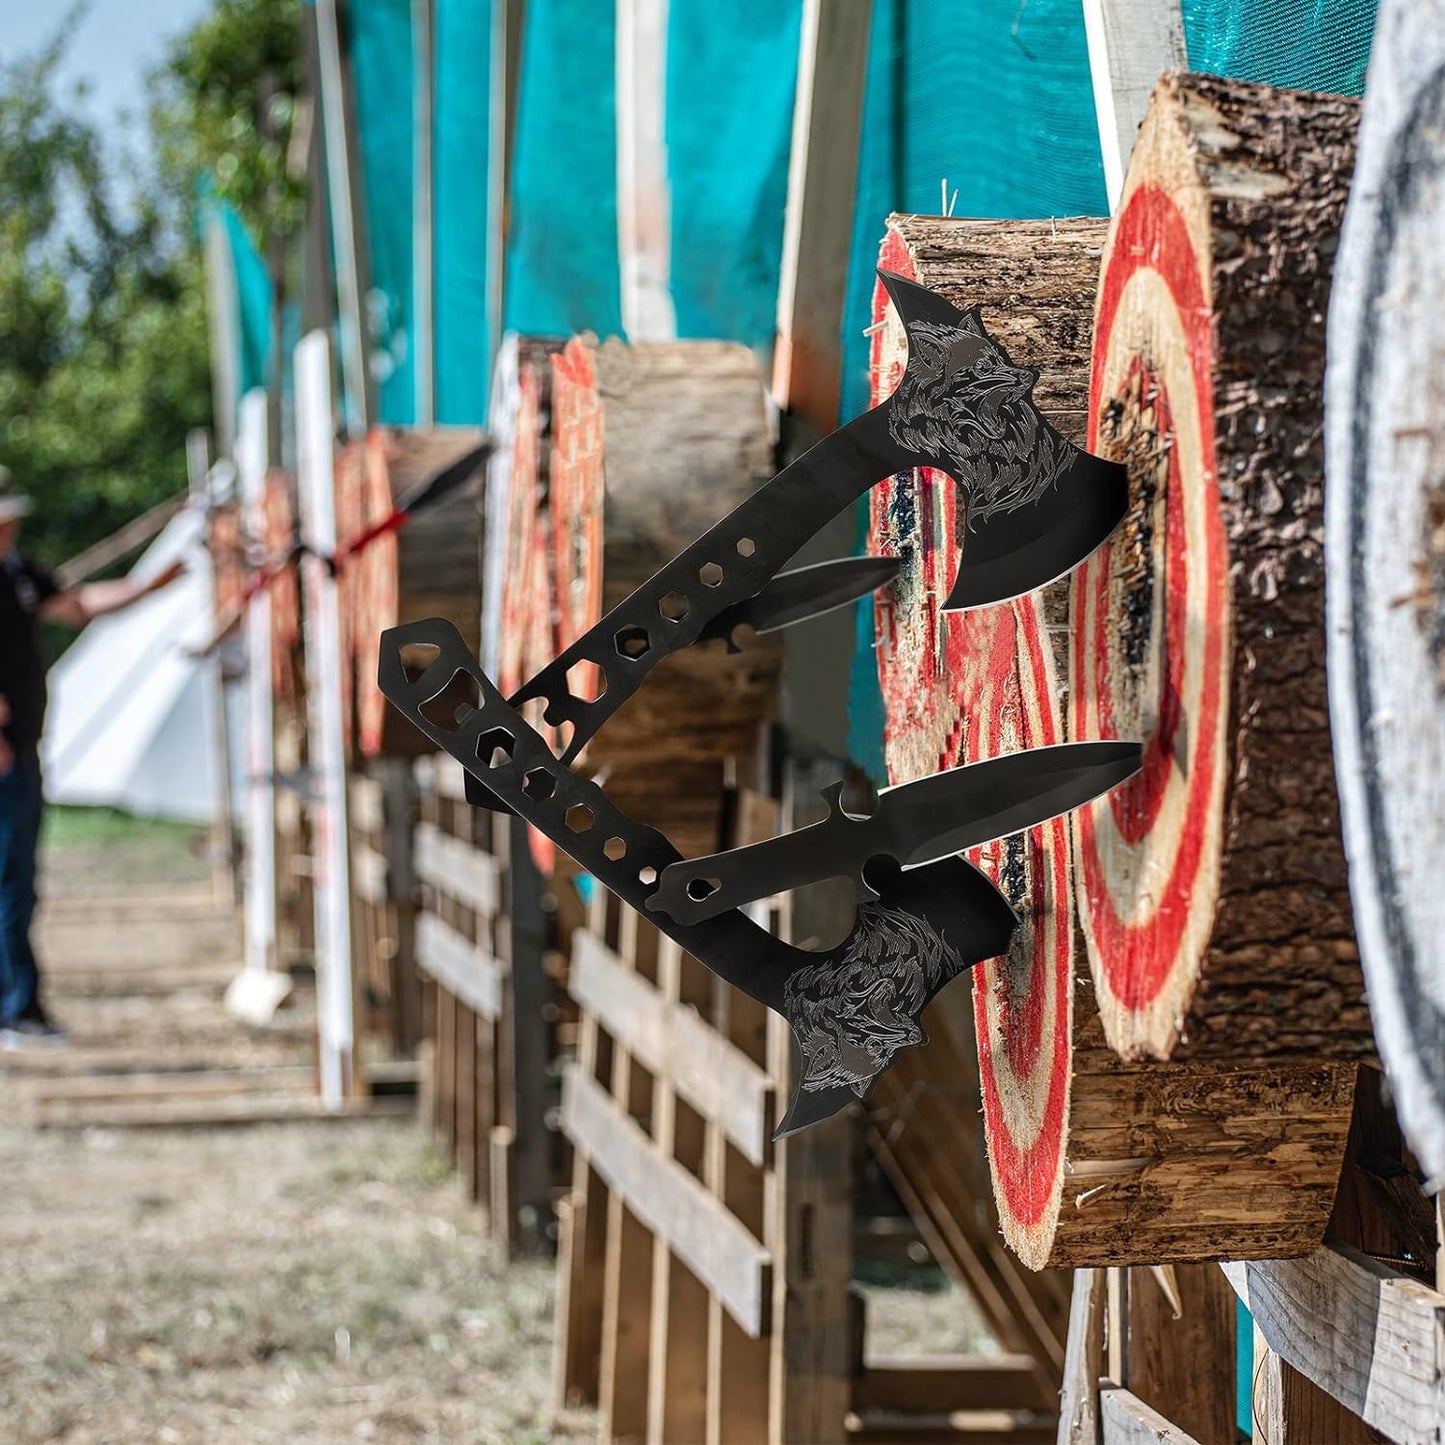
(1385, 546)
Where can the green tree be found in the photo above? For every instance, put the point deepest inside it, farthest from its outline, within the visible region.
(102, 330)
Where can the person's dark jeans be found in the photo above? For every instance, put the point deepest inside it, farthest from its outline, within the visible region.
(20, 811)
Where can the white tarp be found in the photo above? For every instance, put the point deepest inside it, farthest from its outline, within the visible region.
(132, 721)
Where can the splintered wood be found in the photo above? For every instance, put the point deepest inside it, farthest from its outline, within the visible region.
(1093, 1160)
(651, 445)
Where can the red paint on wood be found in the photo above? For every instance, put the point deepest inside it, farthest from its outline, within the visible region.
(1137, 957)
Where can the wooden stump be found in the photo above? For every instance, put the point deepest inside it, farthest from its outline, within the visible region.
(651, 445)
(1212, 887)
(431, 567)
(1385, 545)
(1094, 1161)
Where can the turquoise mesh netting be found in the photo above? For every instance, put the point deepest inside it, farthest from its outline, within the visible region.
(381, 67)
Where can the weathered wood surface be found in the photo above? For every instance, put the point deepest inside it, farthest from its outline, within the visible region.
(1213, 886)
(1127, 1420)
(1385, 546)
(1093, 1161)
(1371, 1338)
(651, 445)
(1083, 1361)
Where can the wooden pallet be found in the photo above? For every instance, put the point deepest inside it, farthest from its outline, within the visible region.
(383, 918)
(704, 1273)
(484, 1005)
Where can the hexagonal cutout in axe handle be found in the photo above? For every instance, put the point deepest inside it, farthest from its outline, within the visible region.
(850, 1009)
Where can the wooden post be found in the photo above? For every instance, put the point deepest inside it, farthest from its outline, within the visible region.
(1212, 887)
(1131, 43)
(818, 222)
(644, 199)
(326, 726)
(224, 326)
(343, 199)
(1385, 550)
(252, 450)
(423, 37)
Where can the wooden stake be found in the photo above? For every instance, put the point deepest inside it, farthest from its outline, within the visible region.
(325, 721)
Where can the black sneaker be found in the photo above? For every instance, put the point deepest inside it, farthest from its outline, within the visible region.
(36, 1032)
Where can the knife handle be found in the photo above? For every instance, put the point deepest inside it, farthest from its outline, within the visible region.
(696, 889)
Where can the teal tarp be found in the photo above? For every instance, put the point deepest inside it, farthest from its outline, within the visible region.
(997, 100)
(729, 129)
(562, 242)
(382, 79)
(462, 39)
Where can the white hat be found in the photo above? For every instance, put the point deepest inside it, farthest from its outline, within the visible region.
(13, 504)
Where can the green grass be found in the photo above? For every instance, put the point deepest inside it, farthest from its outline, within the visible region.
(67, 827)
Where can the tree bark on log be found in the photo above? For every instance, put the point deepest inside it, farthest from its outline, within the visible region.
(1212, 887)
(653, 444)
(1094, 1161)
(1385, 548)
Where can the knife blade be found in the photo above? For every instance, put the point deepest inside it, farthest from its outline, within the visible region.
(803, 594)
(915, 823)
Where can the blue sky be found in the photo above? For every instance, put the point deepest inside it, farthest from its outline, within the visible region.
(118, 41)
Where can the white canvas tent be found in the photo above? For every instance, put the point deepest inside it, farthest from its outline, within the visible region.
(132, 721)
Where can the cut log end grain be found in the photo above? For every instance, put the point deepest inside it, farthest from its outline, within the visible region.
(1385, 546)
(1093, 1161)
(1213, 887)
(651, 445)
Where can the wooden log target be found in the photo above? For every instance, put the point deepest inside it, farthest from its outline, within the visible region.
(430, 567)
(651, 445)
(1093, 1161)
(1385, 545)
(1212, 887)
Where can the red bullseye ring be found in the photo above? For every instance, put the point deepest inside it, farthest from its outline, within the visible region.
(1148, 857)
(960, 687)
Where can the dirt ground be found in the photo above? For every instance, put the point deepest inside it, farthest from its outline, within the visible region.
(310, 1281)
(297, 1282)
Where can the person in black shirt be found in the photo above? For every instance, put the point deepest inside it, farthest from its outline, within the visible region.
(28, 596)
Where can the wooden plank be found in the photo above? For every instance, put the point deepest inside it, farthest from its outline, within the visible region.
(716, 1079)
(1083, 1361)
(644, 197)
(818, 220)
(1182, 1364)
(368, 805)
(369, 875)
(1131, 43)
(327, 729)
(1127, 1420)
(1371, 1338)
(677, 1369)
(457, 869)
(942, 1384)
(1384, 437)
(1288, 1409)
(669, 1201)
(467, 972)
